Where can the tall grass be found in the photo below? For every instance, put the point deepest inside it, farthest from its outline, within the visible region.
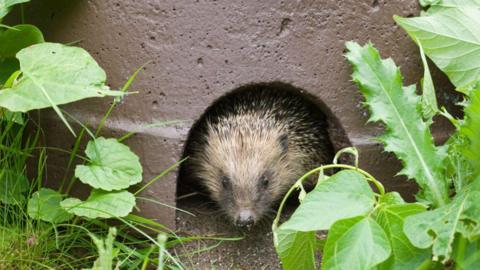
(26, 243)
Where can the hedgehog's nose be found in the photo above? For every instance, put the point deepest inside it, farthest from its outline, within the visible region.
(244, 219)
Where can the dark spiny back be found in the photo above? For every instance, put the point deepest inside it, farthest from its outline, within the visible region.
(306, 124)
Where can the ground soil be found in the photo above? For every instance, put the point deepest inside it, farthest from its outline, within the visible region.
(254, 251)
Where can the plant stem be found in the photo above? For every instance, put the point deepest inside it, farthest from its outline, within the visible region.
(115, 101)
(60, 150)
(163, 173)
(426, 265)
(73, 154)
(460, 252)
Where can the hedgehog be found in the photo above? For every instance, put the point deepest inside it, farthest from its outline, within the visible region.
(252, 144)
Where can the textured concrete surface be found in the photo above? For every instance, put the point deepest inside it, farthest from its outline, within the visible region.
(199, 50)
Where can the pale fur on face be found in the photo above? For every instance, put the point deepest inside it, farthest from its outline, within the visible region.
(244, 148)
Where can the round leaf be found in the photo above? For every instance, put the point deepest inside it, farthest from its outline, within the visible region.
(45, 205)
(101, 204)
(20, 36)
(54, 74)
(113, 166)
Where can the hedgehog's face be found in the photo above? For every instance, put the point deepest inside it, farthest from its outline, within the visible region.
(246, 172)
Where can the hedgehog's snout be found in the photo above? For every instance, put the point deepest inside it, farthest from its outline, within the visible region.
(244, 218)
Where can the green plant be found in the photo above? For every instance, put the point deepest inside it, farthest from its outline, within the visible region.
(51, 74)
(46, 228)
(376, 229)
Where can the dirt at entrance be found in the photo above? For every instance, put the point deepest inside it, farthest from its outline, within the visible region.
(254, 251)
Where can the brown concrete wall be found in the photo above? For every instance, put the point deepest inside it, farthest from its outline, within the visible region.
(201, 49)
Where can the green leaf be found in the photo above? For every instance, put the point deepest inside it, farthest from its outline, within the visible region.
(296, 249)
(429, 99)
(101, 204)
(11, 42)
(54, 74)
(457, 166)
(425, 3)
(467, 254)
(391, 198)
(462, 164)
(45, 205)
(348, 192)
(398, 108)
(64, 74)
(7, 67)
(6, 5)
(404, 254)
(355, 243)
(469, 225)
(13, 77)
(440, 5)
(12, 186)
(112, 166)
(451, 39)
(15, 117)
(21, 36)
(470, 131)
(436, 228)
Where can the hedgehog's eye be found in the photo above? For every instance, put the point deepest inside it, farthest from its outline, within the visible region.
(264, 181)
(225, 181)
